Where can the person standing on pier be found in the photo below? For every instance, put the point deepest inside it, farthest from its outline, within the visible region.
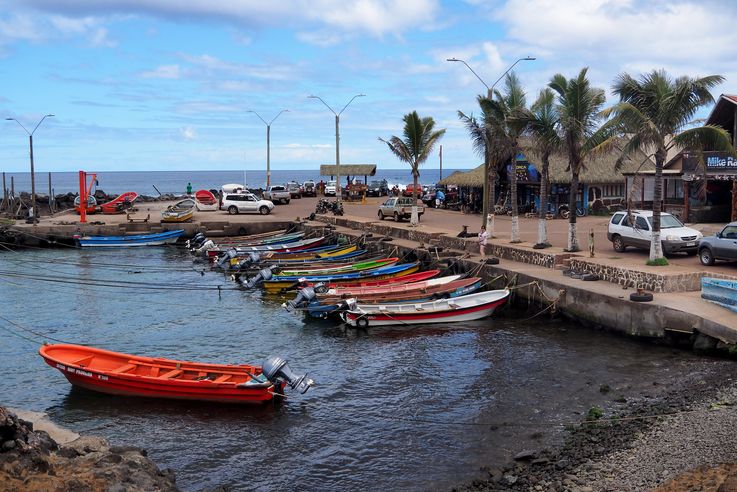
(189, 188)
(483, 236)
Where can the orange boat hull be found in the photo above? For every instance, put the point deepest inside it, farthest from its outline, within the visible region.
(123, 374)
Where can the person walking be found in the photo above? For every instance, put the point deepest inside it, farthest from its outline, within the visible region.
(483, 236)
(439, 198)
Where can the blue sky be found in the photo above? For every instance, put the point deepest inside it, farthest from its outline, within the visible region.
(166, 84)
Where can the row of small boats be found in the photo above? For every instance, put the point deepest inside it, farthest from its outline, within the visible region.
(181, 211)
(344, 280)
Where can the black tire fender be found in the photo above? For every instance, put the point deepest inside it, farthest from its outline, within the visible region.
(362, 322)
(590, 277)
(644, 297)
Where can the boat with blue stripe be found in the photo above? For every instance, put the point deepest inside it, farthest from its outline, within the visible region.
(155, 239)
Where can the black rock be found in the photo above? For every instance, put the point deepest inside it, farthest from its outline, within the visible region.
(526, 455)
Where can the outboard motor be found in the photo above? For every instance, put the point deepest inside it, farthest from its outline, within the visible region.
(320, 288)
(263, 275)
(276, 369)
(252, 259)
(197, 240)
(205, 247)
(226, 257)
(304, 297)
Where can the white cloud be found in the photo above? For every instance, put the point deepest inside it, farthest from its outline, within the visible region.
(188, 133)
(163, 72)
(376, 17)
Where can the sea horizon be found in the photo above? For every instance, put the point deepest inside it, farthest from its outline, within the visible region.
(175, 182)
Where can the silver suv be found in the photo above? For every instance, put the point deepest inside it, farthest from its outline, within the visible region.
(635, 229)
(720, 246)
(399, 208)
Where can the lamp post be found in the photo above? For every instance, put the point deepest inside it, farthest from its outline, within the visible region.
(34, 212)
(337, 141)
(268, 142)
(490, 94)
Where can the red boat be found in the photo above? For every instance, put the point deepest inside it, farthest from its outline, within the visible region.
(405, 279)
(205, 200)
(131, 375)
(276, 248)
(120, 204)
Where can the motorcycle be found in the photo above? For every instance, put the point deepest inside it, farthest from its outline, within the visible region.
(324, 206)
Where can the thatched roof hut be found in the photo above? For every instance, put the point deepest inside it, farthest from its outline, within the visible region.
(348, 170)
(600, 170)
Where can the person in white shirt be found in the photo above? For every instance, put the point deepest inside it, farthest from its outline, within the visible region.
(483, 236)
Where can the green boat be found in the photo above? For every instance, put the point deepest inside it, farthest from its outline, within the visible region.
(353, 267)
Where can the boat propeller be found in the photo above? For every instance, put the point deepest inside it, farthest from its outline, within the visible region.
(226, 257)
(252, 259)
(263, 275)
(303, 298)
(206, 246)
(276, 368)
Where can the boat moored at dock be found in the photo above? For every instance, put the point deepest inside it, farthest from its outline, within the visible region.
(154, 239)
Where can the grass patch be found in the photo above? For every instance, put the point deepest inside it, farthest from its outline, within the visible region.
(657, 262)
(594, 413)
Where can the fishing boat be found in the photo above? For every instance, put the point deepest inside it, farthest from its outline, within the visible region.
(321, 308)
(255, 261)
(205, 201)
(91, 204)
(336, 268)
(156, 239)
(120, 204)
(214, 247)
(465, 308)
(276, 284)
(344, 292)
(405, 279)
(182, 211)
(275, 248)
(720, 291)
(117, 373)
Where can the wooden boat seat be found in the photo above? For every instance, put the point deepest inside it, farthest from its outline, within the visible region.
(124, 369)
(223, 378)
(171, 374)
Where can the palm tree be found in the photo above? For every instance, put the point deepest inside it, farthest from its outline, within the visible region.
(505, 130)
(542, 125)
(484, 145)
(579, 111)
(414, 149)
(652, 113)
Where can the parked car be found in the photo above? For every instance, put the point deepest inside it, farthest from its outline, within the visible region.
(635, 229)
(277, 193)
(309, 188)
(409, 189)
(378, 188)
(295, 189)
(399, 208)
(236, 203)
(330, 188)
(720, 246)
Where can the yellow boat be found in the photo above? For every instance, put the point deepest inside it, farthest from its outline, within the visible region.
(279, 286)
(182, 211)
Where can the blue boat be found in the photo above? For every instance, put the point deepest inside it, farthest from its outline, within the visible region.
(719, 291)
(157, 239)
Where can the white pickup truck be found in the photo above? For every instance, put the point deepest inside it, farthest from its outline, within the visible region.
(277, 194)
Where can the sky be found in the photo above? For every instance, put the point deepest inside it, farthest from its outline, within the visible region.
(168, 84)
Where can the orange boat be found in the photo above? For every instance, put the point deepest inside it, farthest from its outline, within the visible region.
(205, 201)
(120, 204)
(131, 375)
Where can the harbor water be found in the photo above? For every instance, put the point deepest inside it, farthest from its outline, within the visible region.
(407, 408)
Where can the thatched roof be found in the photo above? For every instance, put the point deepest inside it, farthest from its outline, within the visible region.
(596, 171)
(348, 170)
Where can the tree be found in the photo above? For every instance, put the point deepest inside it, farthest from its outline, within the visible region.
(505, 130)
(653, 113)
(419, 138)
(579, 111)
(542, 125)
(483, 143)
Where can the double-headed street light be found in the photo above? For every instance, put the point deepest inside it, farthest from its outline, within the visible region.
(490, 95)
(337, 140)
(268, 143)
(34, 212)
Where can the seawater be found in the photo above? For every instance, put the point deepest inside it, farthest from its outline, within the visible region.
(143, 182)
(404, 408)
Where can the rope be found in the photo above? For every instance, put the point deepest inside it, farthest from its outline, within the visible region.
(41, 335)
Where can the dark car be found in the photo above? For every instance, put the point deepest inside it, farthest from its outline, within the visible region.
(378, 188)
(720, 246)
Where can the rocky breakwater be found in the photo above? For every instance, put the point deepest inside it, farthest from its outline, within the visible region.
(33, 461)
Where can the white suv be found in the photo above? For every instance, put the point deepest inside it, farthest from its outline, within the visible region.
(330, 188)
(236, 203)
(636, 228)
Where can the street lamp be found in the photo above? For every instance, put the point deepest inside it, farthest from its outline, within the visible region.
(268, 143)
(490, 95)
(34, 212)
(337, 141)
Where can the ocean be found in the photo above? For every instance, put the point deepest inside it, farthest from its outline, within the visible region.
(143, 182)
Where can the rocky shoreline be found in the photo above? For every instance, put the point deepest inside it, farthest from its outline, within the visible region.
(679, 439)
(31, 460)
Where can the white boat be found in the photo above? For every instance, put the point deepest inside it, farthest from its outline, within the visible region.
(463, 308)
(387, 289)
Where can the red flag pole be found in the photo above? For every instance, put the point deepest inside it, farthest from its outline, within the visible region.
(82, 197)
